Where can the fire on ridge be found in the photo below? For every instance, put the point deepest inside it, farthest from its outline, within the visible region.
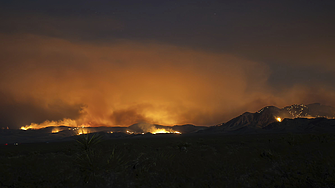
(71, 125)
(311, 111)
(157, 131)
(278, 114)
(279, 119)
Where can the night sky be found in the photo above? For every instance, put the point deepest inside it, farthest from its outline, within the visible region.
(116, 63)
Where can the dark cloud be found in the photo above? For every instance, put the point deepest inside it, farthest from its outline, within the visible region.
(73, 27)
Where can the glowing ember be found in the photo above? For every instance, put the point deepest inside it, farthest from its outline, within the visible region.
(160, 131)
(157, 131)
(154, 130)
(55, 130)
(24, 128)
(130, 132)
(82, 131)
(278, 119)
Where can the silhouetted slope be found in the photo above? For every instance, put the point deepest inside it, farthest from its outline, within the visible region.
(259, 119)
(303, 125)
(147, 127)
(188, 128)
(294, 119)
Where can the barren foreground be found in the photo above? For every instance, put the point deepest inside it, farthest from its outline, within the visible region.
(279, 160)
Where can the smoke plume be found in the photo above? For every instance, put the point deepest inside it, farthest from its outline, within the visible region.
(125, 82)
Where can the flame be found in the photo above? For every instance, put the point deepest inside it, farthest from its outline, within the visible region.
(73, 125)
(65, 122)
(154, 130)
(161, 130)
(55, 130)
(130, 132)
(25, 128)
(82, 131)
(279, 119)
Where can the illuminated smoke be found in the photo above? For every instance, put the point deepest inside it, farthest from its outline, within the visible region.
(64, 122)
(123, 83)
(141, 128)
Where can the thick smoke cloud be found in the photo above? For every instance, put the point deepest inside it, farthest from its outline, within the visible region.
(126, 82)
(14, 113)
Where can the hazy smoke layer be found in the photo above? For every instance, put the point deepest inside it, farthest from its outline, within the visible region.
(127, 82)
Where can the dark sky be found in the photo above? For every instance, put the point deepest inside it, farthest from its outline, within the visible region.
(174, 62)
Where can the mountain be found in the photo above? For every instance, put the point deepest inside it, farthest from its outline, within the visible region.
(63, 133)
(295, 118)
(188, 128)
(271, 115)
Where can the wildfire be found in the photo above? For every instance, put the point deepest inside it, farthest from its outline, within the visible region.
(157, 131)
(24, 128)
(279, 119)
(81, 130)
(160, 131)
(130, 132)
(55, 130)
(65, 122)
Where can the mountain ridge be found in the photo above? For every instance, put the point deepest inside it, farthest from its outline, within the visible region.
(271, 118)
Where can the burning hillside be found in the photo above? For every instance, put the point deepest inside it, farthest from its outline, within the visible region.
(58, 126)
(257, 120)
(65, 122)
(272, 114)
(310, 111)
(142, 128)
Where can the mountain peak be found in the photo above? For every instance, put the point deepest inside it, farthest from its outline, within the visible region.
(271, 114)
